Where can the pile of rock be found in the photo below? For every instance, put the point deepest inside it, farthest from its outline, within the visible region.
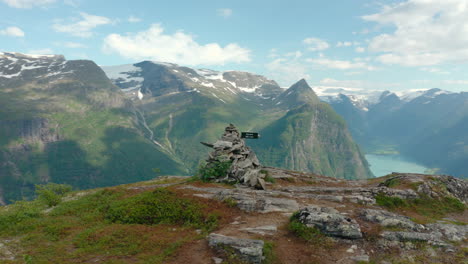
(245, 167)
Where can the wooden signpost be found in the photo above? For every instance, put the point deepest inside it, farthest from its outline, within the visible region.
(250, 135)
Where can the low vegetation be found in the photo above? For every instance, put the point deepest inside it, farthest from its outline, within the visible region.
(114, 225)
(160, 207)
(213, 171)
(427, 209)
(51, 194)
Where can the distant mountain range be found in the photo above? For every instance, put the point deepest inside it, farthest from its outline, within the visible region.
(427, 126)
(66, 122)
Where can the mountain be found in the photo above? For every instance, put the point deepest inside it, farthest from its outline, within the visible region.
(184, 106)
(310, 137)
(65, 122)
(427, 126)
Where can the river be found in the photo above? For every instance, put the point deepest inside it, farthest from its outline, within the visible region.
(382, 165)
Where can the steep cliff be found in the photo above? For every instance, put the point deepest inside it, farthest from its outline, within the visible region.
(311, 137)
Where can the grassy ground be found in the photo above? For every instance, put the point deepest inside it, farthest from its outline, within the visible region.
(113, 225)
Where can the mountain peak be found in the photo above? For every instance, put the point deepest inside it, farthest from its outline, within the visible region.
(301, 84)
(299, 93)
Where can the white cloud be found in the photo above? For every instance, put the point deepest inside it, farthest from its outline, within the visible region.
(224, 12)
(45, 51)
(316, 44)
(360, 49)
(273, 53)
(434, 70)
(357, 84)
(133, 19)
(82, 28)
(27, 3)
(12, 31)
(287, 72)
(296, 54)
(456, 82)
(74, 45)
(180, 48)
(341, 64)
(344, 44)
(427, 32)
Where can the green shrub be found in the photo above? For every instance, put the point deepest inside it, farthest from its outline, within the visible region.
(230, 202)
(268, 177)
(51, 194)
(268, 253)
(213, 171)
(12, 217)
(389, 202)
(160, 207)
(393, 182)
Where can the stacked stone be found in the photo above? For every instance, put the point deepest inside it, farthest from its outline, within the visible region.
(245, 166)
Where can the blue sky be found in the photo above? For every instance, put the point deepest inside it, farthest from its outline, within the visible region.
(395, 45)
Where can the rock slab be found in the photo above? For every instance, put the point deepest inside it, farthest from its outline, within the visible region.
(248, 250)
(330, 222)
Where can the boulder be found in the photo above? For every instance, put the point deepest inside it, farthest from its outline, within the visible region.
(330, 222)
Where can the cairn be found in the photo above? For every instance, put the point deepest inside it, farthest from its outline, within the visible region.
(245, 167)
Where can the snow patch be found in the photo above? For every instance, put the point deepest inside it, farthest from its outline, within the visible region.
(206, 84)
(140, 94)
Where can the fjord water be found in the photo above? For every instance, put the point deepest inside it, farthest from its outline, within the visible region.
(381, 165)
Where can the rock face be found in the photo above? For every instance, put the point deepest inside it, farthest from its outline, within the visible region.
(244, 168)
(330, 222)
(248, 250)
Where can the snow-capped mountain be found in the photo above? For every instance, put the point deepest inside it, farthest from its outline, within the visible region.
(364, 98)
(157, 78)
(26, 66)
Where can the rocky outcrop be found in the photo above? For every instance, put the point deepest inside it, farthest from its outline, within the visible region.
(442, 185)
(434, 186)
(244, 164)
(330, 222)
(258, 202)
(450, 232)
(261, 230)
(387, 219)
(248, 250)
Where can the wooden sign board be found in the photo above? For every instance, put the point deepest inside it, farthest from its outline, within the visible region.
(250, 135)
